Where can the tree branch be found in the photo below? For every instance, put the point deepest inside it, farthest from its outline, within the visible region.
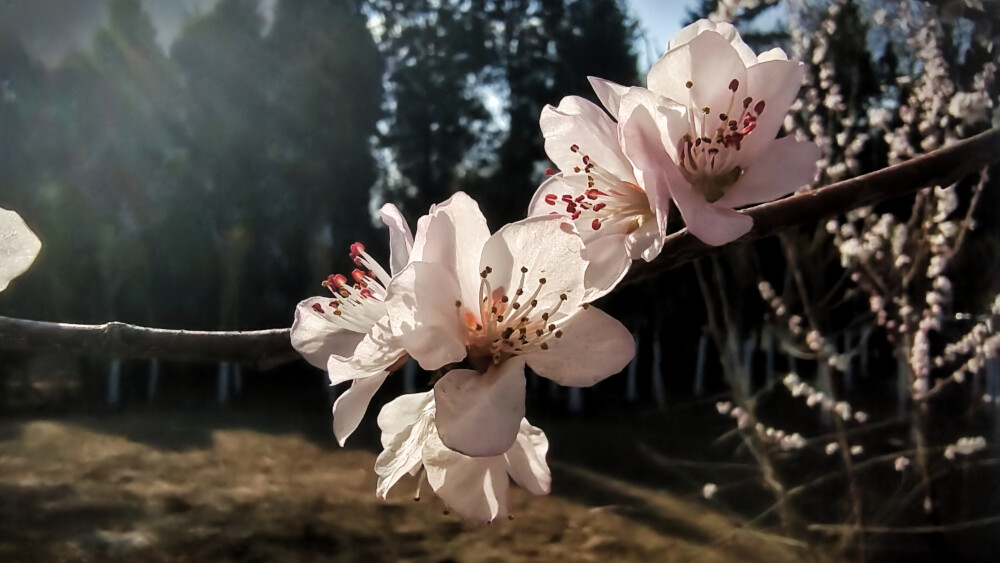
(942, 167)
(260, 348)
(268, 348)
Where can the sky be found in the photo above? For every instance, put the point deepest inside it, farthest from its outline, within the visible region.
(52, 28)
(659, 20)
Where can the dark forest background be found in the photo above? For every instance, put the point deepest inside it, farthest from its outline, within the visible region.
(215, 185)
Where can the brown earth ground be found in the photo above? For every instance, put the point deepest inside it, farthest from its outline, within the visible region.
(138, 487)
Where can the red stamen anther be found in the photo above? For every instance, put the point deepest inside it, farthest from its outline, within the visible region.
(550, 199)
(759, 108)
(337, 280)
(595, 224)
(599, 206)
(366, 292)
(358, 276)
(734, 85)
(357, 248)
(318, 308)
(574, 148)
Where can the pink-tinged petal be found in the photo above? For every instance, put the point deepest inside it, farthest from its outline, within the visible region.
(581, 124)
(526, 460)
(608, 262)
(350, 406)
(641, 138)
(549, 248)
(453, 237)
(777, 83)
(478, 414)
(636, 97)
(710, 64)
(316, 338)
(592, 347)
(406, 424)
(645, 243)
(18, 246)
(400, 238)
(609, 93)
(376, 353)
(421, 305)
(714, 225)
(776, 54)
(473, 487)
(725, 29)
(787, 165)
(673, 122)
(402, 412)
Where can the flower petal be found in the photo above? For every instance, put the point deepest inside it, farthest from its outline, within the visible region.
(316, 338)
(421, 308)
(593, 346)
(714, 225)
(710, 64)
(402, 412)
(350, 406)
(608, 262)
(549, 248)
(375, 354)
(473, 487)
(725, 29)
(526, 460)
(609, 93)
(406, 424)
(580, 123)
(787, 165)
(643, 143)
(777, 82)
(400, 238)
(453, 236)
(18, 246)
(479, 414)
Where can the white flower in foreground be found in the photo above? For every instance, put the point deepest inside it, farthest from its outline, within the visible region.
(717, 107)
(474, 487)
(18, 247)
(497, 303)
(347, 334)
(619, 216)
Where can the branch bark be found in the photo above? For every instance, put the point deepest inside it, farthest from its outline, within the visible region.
(268, 348)
(942, 167)
(259, 348)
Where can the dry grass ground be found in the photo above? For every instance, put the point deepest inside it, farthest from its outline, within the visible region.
(131, 487)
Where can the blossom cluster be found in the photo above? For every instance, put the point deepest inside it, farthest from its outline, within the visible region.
(477, 308)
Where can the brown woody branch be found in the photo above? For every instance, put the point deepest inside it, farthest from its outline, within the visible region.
(261, 348)
(942, 167)
(267, 348)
